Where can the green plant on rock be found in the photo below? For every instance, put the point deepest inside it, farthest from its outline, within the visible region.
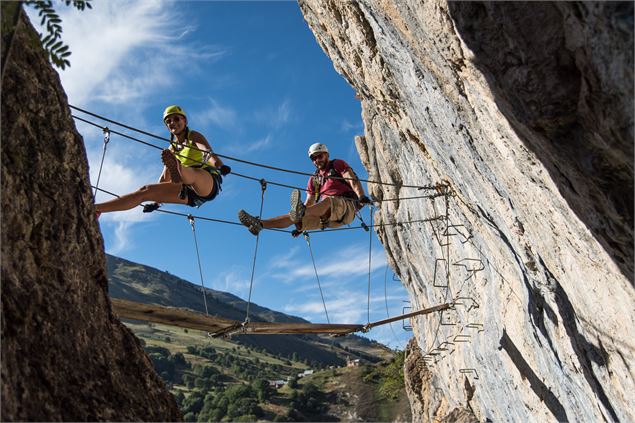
(52, 43)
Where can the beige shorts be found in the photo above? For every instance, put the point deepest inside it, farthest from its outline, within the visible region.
(342, 213)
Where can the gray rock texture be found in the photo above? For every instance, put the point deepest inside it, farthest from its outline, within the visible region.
(65, 357)
(525, 112)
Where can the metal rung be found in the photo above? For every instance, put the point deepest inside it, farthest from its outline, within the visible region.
(434, 280)
(478, 326)
(473, 304)
(462, 338)
(468, 371)
(404, 325)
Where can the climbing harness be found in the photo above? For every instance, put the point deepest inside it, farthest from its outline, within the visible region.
(318, 180)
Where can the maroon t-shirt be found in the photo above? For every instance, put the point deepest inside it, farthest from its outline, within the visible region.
(331, 186)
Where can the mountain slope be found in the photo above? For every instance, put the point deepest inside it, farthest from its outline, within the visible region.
(136, 282)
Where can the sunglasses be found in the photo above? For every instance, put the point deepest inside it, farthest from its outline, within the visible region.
(174, 119)
(315, 156)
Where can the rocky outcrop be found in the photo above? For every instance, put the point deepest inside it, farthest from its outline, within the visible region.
(524, 111)
(64, 355)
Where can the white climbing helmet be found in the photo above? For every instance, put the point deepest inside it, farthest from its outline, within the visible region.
(318, 147)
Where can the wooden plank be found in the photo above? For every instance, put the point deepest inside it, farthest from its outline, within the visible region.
(169, 316)
(193, 320)
(258, 328)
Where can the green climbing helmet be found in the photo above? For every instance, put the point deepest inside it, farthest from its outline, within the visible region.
(173, 110)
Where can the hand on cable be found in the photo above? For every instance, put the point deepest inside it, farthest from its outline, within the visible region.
(297, 231)
(150, 207)
(365, 200)
(224, 170)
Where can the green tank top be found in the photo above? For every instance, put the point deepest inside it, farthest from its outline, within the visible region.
(190, 156)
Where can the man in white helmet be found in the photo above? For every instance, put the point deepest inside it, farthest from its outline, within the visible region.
(334, 194)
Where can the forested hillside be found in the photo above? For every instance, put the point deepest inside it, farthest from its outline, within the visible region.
(220, 380)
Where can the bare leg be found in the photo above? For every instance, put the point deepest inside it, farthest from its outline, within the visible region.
(161, 193)
(284, 221)
(200, 180)
(279, 222)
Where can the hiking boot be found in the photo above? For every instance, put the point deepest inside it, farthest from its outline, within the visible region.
(171, 164)
(297, 207)
(251, 222)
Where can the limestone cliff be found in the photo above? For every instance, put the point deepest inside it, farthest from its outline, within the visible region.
(64, 355)
(526, 111)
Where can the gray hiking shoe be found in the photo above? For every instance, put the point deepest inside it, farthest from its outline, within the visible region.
(251, 222)
(297, 207)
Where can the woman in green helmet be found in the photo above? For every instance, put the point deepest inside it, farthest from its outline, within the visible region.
(192, 173)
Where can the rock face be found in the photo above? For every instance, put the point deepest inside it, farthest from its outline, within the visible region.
(64, 355)
(524, 111)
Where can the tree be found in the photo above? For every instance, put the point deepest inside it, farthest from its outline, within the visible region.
(179, 397)
(293, 382)
(261, 387)
(193, 404)
(52, 43)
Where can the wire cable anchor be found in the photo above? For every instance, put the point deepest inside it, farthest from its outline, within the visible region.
(106, 133)
(308, 242)
(190, 218)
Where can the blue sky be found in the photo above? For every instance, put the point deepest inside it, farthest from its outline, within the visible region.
(255, 82)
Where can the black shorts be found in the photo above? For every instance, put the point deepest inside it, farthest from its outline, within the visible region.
(195, 200)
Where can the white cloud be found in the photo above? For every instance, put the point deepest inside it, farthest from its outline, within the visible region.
(258, 145)
(234, 280)
(282, 115)
(118, 174)
(275, 117)
(347, 126)
(122, 238)
(219, 115)
(348, 307)
(348, 263)
(285, 260)
(123, 50)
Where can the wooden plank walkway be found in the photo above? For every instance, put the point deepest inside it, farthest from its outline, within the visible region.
(217, 326)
